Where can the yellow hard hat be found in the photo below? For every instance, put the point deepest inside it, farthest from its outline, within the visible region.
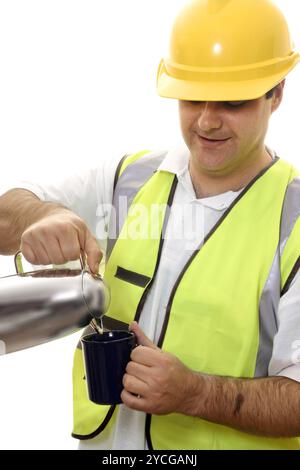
(226, 50)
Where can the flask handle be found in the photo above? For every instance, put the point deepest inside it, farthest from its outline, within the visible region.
(19, 264)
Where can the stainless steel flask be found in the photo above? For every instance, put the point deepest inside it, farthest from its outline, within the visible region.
(40, 306)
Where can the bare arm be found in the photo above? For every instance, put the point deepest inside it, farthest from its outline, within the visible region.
(20, 208)
(157, 382)
(268, 406)
(46, 233)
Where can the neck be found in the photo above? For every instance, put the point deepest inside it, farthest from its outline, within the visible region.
(208, 184)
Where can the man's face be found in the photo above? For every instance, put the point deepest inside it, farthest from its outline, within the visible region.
(221, 136)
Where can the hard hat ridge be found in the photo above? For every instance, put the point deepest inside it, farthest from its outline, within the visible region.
(226, 50)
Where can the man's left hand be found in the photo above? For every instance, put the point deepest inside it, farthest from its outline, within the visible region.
(155, 381)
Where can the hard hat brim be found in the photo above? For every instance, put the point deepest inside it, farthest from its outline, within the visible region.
(219, 90)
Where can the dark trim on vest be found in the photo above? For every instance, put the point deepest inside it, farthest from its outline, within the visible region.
(216, 226)
(117, 173)
(146, 291)
(137, 315)
(139, 308)
(193, 256)
(99, 429)
(147, 432)
(237, 199)
(132, 277)
(291, 277)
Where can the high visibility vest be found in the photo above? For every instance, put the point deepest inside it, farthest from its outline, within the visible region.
(221, 314)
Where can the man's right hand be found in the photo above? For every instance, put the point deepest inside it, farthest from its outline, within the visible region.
(60, 237)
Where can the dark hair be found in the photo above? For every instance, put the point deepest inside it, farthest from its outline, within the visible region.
(270, 93)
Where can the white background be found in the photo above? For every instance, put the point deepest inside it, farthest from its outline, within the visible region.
(77, 85)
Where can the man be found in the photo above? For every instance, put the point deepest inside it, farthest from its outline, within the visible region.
(216, 311)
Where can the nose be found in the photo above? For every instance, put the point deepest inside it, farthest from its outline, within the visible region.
(209, 118)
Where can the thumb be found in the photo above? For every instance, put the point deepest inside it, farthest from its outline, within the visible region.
(142, 339)
(93, 252)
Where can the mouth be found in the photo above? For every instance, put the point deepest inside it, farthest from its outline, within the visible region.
(212, 142)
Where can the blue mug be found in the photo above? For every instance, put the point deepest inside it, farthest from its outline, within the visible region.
(105, 359)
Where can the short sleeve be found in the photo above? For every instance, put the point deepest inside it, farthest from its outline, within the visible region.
(285, 359)
(88, 194)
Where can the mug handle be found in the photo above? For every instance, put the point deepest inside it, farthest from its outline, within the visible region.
(19, 264)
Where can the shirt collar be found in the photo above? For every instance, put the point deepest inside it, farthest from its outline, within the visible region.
(177, 161)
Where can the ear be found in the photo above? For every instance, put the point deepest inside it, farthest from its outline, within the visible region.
(277, 96)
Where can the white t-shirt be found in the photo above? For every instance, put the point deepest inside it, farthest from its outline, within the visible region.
(86, 194)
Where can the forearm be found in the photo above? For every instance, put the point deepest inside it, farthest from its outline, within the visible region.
(268, 406)
(19, 209)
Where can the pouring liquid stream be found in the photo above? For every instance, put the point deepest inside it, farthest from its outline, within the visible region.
(97, 325)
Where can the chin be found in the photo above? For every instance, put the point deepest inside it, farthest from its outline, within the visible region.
(210, 160)
(213, 159)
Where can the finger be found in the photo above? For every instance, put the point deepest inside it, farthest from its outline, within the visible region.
(142, 339)
(39, 254)
(70, 245)
(133, 402)
(53, 250)
(93, 252)
(27, 252)
(89, 248)
(137, 370)
(134, 385)
(146, 356)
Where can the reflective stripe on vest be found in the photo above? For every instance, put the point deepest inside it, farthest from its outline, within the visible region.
(237, 299)
(128, 185)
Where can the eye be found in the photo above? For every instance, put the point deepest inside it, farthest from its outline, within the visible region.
(235, 104)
